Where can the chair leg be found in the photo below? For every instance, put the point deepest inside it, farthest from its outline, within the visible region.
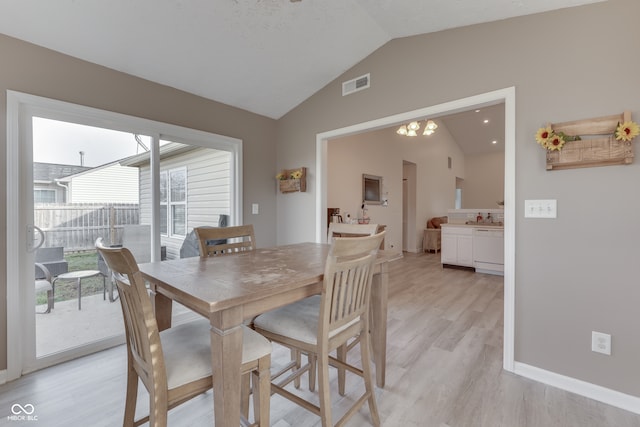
(49, 301)
(244, 395)
(131, 398)
(158, 408)
(323, 386)
(297, 357)
(341, 354)
(53, 292)
(313, 369)
(365, 355)
(262, 392)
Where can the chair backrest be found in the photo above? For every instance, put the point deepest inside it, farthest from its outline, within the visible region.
(143, 339)
(346, 286)
(341, 229)
(240, 238)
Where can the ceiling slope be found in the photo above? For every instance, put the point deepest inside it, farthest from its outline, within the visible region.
(264, 56)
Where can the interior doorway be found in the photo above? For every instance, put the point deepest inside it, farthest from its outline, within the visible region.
(409, 188)
(506, 96)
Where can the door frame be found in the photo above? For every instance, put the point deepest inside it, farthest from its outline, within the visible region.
(20, 108)
(506, 96)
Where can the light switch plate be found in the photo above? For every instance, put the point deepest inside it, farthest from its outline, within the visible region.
(255, 209)
(541, 208)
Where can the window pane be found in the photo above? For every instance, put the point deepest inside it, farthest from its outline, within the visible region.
(163, 187)
(44, 196)
(179, 219)
(178, 186)
(163, 220)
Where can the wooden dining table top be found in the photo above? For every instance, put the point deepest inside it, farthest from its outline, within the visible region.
(216, 283)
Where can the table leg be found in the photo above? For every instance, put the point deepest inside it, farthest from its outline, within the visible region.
(162, 307)
(379, 300)
(79, 285)
(226, 355)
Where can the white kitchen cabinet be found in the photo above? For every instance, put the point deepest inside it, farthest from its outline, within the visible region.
(457, 246)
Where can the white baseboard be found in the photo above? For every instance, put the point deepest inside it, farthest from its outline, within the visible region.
(3, 376)
(583, 388)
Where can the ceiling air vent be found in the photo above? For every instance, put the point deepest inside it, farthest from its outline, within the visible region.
(357, 84)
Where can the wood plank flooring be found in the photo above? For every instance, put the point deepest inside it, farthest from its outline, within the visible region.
(444, 370)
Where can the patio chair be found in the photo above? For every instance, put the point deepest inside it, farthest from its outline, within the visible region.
(53, 259)
(44, 284)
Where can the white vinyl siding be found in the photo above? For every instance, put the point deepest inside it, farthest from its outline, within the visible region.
(208, 190)
(110, 184)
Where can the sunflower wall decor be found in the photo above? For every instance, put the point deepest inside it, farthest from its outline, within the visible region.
(292, 180)
(600, 141)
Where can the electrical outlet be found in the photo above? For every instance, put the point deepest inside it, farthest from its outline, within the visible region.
(601, 343)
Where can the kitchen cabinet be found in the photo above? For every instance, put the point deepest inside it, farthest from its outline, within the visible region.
(457, 246)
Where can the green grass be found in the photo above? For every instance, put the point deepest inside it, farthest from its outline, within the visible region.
(66, 289)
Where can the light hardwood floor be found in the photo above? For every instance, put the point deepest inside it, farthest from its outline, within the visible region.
(444, 370)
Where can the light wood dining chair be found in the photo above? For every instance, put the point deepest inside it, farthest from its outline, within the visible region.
(320, 324)
(341, 229)
(175, 365)
(238, 238)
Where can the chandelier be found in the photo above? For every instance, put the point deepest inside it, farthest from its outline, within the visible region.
(412, 128)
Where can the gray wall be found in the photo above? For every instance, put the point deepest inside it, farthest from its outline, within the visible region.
(483, 181)
(576, 273)
(31, 69)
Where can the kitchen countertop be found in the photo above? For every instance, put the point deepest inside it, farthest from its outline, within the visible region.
(494, 225)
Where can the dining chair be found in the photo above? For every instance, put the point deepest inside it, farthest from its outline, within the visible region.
(342, 229)
(175, 365)
(239, 238)
(320, 324)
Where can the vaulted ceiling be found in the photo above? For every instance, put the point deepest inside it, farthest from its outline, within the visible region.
(264, 56)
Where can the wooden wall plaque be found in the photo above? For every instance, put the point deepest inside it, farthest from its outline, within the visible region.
(598, 146)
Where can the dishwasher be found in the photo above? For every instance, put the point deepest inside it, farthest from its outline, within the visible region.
(488, 250)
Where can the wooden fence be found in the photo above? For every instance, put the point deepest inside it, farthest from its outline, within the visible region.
(76, 226)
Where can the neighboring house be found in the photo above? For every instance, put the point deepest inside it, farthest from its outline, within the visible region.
(45, 181)
(110, 183)
(195, 188)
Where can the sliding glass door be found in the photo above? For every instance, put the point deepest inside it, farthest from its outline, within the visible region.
(85, 174)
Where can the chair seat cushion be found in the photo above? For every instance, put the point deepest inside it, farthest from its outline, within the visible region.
(298, 320)
(187, 350)
(43, 285)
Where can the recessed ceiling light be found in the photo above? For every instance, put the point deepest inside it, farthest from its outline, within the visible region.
(494, 142)
(486, 121)
(477, 111)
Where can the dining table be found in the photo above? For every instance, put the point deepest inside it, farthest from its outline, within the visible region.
(232, 289)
